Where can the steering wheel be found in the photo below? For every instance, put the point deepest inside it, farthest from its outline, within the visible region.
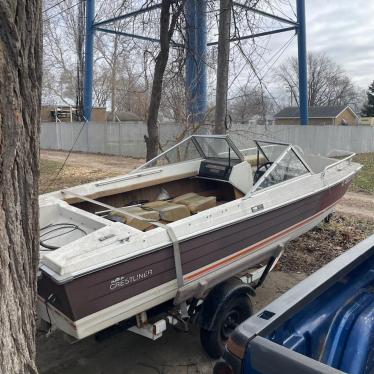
(261, 170)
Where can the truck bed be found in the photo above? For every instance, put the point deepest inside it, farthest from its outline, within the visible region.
(325, 324)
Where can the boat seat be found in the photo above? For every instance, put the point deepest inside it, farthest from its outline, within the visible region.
(196, 203)
(168, 211)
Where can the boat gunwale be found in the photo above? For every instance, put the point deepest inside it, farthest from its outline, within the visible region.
(62, 279)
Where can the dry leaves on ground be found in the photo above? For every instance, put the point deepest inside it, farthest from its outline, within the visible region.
(325, 242)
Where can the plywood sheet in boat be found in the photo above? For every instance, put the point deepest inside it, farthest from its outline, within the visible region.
(182, 198)
(223, 192)
(137, 222)
(169, 212)
(196, 203)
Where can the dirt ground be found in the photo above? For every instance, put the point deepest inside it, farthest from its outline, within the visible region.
(357, 205)
(114, 164)
(179, 352)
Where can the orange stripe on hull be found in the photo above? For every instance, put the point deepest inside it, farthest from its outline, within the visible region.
(253, 247)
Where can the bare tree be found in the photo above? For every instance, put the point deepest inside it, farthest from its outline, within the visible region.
(223, 65)
(173, 102)
(118, 67)
(170, 13)
(327, 81)
(118, 61)
(63, 51)
(20, 80)
(80, 58)
(247, 103)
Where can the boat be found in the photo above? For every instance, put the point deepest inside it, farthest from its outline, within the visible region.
(170, 230)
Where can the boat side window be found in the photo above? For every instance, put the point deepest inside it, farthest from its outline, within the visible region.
(185, 151)
(217, 149)
(288, 167)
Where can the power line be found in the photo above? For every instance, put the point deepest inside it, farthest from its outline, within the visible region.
(53, 6)
(277, 54)
(283, 13)
(64, 10)
(280, 51)
(292, 8)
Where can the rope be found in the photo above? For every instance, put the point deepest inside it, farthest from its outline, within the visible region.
(66, 159)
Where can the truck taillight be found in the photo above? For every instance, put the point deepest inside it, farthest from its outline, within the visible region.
(222, 367)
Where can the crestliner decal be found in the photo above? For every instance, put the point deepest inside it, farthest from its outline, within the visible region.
(126, 280)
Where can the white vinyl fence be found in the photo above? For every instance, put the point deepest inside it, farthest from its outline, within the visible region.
(127, 139)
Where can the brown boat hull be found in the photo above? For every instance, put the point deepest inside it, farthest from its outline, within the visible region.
(200, 255)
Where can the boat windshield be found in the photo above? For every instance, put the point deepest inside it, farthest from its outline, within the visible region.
(217, 148)
(262, 151)
(271, 151)
(196, 147)
(288, 165)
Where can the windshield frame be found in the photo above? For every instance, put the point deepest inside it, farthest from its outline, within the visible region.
(194, 139)
(290, 148)
(228, 140)
(258, 143)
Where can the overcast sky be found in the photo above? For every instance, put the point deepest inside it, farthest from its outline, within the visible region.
(344, 30)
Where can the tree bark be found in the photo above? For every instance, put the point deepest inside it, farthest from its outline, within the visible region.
(20, 80)
(223, 66)
(167, 28)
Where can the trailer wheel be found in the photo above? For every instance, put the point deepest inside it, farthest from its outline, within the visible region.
(328, 218)
(234, 312)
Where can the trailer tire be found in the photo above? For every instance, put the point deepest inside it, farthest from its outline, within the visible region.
(328, 218)
(235, 311)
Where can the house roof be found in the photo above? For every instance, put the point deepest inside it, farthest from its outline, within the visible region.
(314, 112)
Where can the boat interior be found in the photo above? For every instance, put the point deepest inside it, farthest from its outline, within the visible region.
(197, 174)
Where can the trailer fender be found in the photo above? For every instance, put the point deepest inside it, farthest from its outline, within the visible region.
(218, 297)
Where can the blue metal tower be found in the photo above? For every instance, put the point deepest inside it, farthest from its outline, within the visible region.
(88, 61)
(196, 51)
(303, 65)
(196, 74)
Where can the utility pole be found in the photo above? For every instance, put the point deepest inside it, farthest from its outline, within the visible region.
(223, 66)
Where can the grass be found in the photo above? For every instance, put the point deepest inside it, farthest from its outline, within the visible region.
(364, 181)
(70, 175)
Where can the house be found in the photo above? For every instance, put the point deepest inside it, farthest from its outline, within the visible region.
(65, 113)
(318, 116)
(367, 121)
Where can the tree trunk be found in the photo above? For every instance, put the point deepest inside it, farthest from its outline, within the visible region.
(223, 66)
(167, 28)
(113, 83)
(20, 80)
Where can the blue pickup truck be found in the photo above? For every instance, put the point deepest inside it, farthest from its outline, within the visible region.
(325, 324)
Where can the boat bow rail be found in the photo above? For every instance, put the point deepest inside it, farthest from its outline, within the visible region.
(347, 159)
